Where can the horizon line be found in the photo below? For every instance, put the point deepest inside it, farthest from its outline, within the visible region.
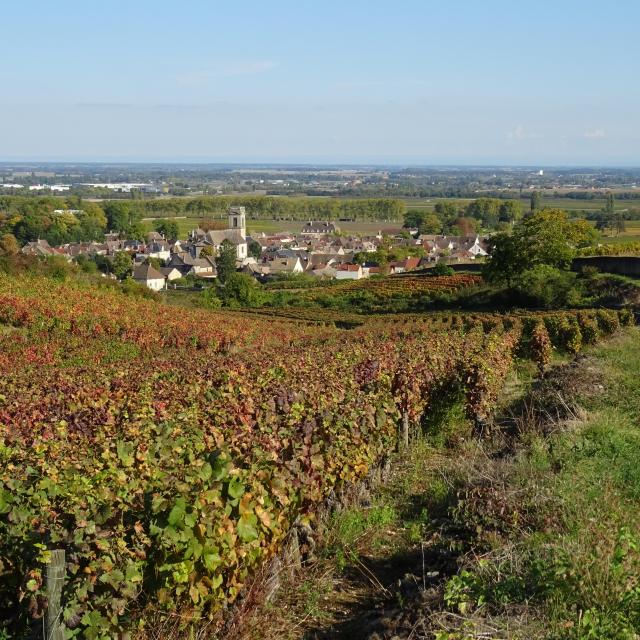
(323, 163)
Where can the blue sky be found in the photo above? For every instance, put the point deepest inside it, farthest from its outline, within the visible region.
(406, 82)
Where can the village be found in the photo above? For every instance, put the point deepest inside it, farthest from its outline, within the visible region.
(319, 250)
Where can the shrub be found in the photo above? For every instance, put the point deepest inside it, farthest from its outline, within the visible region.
(572, 336)
(627, 317)
(589, 328)
(548, 287)
(209, 299)
(241, 290)
(442, 269)
(608, 321)
(540, 346)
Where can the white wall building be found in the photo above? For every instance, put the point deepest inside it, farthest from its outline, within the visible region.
(349, 272)
(146, 274)
(236, 234)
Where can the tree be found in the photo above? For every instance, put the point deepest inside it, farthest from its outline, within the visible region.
(206, 252)
(9, 245)
(441, 269)
(92, 221)
(552, 238)
(485, 209)
(156, 263)
(430, 224)
(121, 215)
(121, 265)
(413, 219)
(510, 211)
(610, 204)
(241, 290)
(546, 237)
(168, 228)
(136, 231)
(603, 221)
(447, 208)
(547, 286)
(621, 226)
(535, 201)
(503, 266)
(254, 249)
(226, 261)
(210, 300)
(465, 226)
(86, 264)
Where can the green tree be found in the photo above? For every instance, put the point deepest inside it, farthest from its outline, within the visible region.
(535, 201)
(156, 263)
(547, 286)
(413, 219)
(125, 217)
(431, 224)
(226, 261)
(136, 231)
(210, 299)
(441, 269)
(254, 249)
(241, 290)
(168, 228)
(603, 221)
(86, 264)
(121, 265)
(447, 208)
(610, 204)
(485, 209)
(546, 237)
(510, 211)
(504, 264)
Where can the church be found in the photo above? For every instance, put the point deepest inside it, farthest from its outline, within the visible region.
(236, 234)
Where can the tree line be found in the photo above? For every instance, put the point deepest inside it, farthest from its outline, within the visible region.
(33, 218)
(460, 218)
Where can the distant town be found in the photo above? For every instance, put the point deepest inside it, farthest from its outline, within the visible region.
(154, 180)
(319, 250)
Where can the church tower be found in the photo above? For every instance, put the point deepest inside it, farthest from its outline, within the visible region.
(237, 220)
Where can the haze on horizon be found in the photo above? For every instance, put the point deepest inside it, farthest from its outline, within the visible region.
(548, 83)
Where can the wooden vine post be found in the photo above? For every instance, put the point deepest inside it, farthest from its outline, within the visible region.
(404, 441)
(55, 581)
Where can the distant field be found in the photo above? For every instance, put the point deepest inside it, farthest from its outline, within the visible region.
(631, 233)
(424, 204)
(428, 204)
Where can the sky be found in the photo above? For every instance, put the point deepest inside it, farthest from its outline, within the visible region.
(410, 82)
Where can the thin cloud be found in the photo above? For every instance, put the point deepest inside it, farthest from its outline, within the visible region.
(520, 133)
(227, 70)
(104, 105)
(594, 134)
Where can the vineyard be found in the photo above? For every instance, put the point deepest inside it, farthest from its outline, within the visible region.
(169, 451)
(629, 248)
(405, 286)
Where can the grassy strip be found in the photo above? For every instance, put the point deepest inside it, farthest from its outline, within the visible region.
(557, 528)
